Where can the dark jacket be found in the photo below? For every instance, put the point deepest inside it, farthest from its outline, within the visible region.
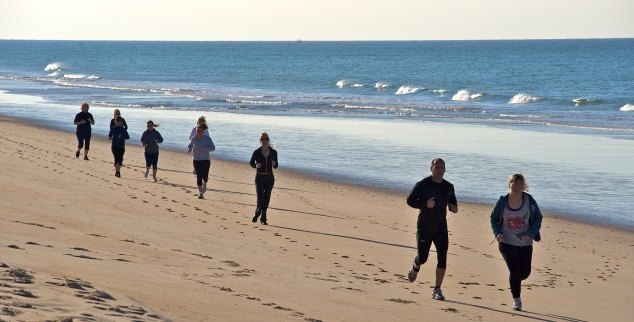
(118, 135)
(124, 124)
(148, 138)
(443, 194)
(534, 218)
(86, 127)
(267, 164)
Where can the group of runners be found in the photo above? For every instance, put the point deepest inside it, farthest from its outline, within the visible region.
(515, 219)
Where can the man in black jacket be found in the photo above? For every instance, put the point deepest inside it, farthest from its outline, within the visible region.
(433, 196)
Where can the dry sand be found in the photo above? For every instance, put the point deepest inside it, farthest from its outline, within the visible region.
(79, 243)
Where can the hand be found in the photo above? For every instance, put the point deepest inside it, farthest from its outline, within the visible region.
(500, 238)
(258, 165)
(431, 203)
(156, 140)
(144, 144)
(89, 120)
(83, 122)
(189, 150)
(453, 208)
(109, 138)
(273, 163)
(525, 238)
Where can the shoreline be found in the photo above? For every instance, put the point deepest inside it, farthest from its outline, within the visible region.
(330, 179)
(86, 244)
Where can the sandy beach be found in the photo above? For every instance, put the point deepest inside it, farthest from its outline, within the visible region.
(79, 244)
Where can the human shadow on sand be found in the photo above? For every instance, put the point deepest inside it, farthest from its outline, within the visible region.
(279, 209)
(351, 237)
(523, 313)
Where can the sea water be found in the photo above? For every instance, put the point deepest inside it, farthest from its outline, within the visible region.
(372, 113)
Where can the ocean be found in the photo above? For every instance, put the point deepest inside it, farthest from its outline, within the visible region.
(370, 113)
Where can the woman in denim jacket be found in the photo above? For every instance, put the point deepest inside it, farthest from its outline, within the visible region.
(515, 221)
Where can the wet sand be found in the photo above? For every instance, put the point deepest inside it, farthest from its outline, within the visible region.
(77, 242)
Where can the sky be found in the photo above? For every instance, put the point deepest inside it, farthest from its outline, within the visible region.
(208, 20)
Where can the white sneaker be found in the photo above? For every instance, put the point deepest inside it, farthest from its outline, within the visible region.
(146, 173)
(437, 294)
(517, 304)
(411, 275)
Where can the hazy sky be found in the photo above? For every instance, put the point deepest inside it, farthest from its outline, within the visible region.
(315, 19)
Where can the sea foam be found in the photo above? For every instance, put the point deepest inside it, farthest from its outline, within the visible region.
(627, 108)
(53, 66)
(464, 95)
(342, 83)
(523, 98)
(407, 90)
(382, 85)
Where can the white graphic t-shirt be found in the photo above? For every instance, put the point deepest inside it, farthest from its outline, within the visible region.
(515, 224)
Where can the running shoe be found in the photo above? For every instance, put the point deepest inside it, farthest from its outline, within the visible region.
(86, 158)
(201, 196)
(263, 222)
(517, 304)
(411, 275)
(146, 172)
(154, 178)
(77, 154)
(437, 294)
(117, 174)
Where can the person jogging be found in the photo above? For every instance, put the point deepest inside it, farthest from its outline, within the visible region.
(150, 140)
(515, 221)
(263, 160)
(432, 195)
(118, 134)
(201, 145)
(117, 113)
(83, 120)
(201, 120)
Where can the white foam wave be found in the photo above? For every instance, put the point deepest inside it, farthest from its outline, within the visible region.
(386, 108)
(53, 66)
(464, 95)
(357, 85)
(523, 98)
(342, 83)
(525, 115)
(93, 77)
(407, 90)
(74, 76)
(382, 85)
(54, 74)
(254, 102)
(441, 91)
(627, 108)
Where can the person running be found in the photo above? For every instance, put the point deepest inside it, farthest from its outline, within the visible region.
(263, 160)
(83, 120)
(117, 113)
(432, 195)
(515, 221)
(201, 120)
(150, 140)
(118, 134)
(201, 145)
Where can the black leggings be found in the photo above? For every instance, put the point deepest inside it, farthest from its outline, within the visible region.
(118, 155)
(440, 237)
(518, 260)
(202, 171)
(81, 137)
(263, 186)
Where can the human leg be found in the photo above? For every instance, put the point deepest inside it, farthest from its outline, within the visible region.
(423, 244)
(259, 191)
(87, 140)
(269, 182)
(511, 255)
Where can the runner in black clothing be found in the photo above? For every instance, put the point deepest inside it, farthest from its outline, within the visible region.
(118, 134)
(432, 195)
(112, 122)
(264, 160)
(83, 120)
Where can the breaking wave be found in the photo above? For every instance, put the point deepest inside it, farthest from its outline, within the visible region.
(464, 95)
(627, 108)
(407, 90)
(523, 98)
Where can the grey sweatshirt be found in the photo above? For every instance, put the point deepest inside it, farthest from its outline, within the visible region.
(201, 147)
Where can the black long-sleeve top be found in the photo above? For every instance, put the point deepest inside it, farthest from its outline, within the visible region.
(443, 194)
(266, 161)
(113, 124)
